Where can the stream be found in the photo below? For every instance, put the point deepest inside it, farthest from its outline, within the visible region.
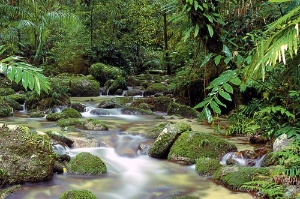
(134, 177)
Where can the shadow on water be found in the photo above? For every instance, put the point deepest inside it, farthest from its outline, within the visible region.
(136, 177)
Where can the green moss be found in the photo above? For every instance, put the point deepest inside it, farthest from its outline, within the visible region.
(136, 111)
(207, 166)
(155, 88)
(10, 190)
(118, 83)
(5, 109)
(6, 91)
(86, 164)
(161, 147)
(78, 194)
(102, 72)
(235, 177)
(66, 113)
(20, 98)
(155, 131)
(194, 145)
(182, 110)
(36, 114)
(68, 122)
(95, 124)
(84, 87)
(28, 155)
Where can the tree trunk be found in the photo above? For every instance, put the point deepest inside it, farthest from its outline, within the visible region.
(167, 60)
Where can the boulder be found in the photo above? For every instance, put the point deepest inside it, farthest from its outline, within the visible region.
(25, 156)
(166, 138)
(192, 145)
(281, 142)
(86, 164)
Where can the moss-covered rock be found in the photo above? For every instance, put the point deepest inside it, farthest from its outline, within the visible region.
(84, 86)
(135, 111)
(20, 98)
(182, 110)
(118, 83)
(60, 138)
(6, 91)
(64, 122)
(94, 124)
(64, 114)
(78, 194)
(36, 114)
(103, 72)
(25, 156)
(154, 89)
(10, 190)
(207, 166)
(192, 145)
(234, 177)
(155, 131)
(166, 138)
(86, 164)
(14, 104)
(160, 103)
(5, 109)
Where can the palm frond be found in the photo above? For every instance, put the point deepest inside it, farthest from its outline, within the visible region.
(283, 38)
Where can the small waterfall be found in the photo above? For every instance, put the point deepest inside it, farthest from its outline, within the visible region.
(24, 109)
(236, 158)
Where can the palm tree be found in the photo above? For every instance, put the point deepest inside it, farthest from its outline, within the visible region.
(36, 21)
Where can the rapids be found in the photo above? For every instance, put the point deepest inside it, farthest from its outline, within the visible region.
(138, 177)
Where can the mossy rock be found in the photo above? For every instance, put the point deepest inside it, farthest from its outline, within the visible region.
(182, 110)
(160, 103)
(14, 104)
(103, 72)
(161, 146)
(63, 122)
(36, 114)
(60, 138)
(207, 166)
(155, 131)
(6, 91)
(154, 89)
(135, 111)
(118, 83)
(78, 194)
(20, 98)
(10, 190)
(64, 114)
(233, 177)
(94, 124)
(28, 155)
(192, 145)
(86, 164)
(84, 87)
(5, 109)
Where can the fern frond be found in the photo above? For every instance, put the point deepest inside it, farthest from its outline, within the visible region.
(283, 38)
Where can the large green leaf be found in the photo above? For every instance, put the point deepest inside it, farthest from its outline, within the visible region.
(225, 95)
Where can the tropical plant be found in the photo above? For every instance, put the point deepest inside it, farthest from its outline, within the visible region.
(17, 70)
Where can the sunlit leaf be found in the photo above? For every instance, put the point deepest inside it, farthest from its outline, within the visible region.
(225, 95)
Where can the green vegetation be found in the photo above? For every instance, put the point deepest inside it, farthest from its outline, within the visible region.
(86, 164)
(192, 145)
(207, 166)
(78, 194)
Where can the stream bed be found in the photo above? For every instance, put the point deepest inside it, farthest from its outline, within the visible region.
(135, 177)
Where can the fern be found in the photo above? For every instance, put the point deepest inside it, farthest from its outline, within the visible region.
(267, 188)
(283, 37)
(221, 86)
(20, 72)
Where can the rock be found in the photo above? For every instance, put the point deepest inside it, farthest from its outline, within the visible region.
(86, 164)
(207, 166)
(79, 107)
(96, 125)
(281, 142)
(78, 194)
(166, 138)
(182, 110)
(25, 156)
(155, 88)
(135, 111)
(108, 104)
(99, 111)
(192, 145)
(134, 92)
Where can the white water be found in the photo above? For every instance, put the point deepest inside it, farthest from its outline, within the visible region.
(138, 177)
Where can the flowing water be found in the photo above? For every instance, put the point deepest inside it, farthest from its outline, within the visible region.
(135, 177)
